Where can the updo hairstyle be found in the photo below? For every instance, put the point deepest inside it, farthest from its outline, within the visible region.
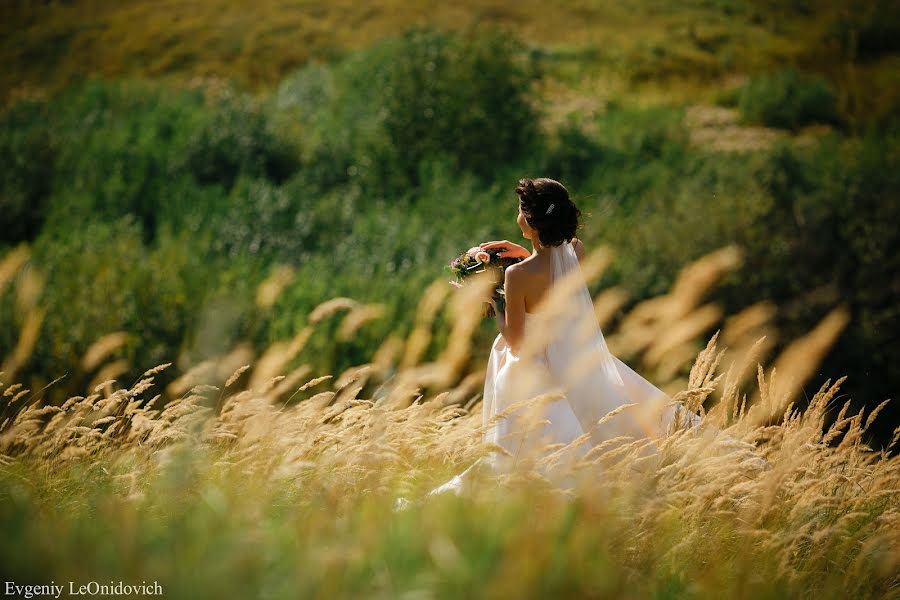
(547, 208)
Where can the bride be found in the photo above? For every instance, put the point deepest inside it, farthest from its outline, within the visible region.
(550, 378)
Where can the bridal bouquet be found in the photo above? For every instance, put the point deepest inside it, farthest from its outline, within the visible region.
(478, 260)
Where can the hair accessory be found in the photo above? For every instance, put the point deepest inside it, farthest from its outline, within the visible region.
(550, 208)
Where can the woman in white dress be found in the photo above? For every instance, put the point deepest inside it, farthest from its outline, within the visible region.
(550, 378)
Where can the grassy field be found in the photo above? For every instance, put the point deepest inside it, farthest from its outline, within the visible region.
(229, 347)
(240, 490)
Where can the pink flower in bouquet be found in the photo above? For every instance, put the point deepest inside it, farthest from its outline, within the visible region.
(477, 260)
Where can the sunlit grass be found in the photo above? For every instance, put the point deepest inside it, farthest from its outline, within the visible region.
(271, 481)
(258, 43)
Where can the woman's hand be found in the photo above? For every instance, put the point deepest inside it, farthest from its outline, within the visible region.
(510, 250)
(490, 298)
(489, 305)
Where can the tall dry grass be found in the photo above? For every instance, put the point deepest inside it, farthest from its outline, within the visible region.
(262, 478)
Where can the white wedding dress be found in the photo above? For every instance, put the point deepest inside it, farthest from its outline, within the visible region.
(561, 384)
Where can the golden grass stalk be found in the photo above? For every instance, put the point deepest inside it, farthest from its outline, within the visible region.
(28, 337)
(330, 307)
(103, 347)
(797, 363)
(268, 292)
(358, 317)
(11, 263)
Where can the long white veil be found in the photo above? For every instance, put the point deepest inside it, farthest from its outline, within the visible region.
(595, 381)
(580, 339)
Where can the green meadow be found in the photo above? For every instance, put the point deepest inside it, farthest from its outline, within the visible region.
(191, 183)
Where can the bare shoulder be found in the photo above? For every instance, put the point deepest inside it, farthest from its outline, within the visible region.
(513, 280)
(523, 275)
(517, 271)
(579, 248)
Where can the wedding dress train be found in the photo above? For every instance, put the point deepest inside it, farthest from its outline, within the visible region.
(561, 384)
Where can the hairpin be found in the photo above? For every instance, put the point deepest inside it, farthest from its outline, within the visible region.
(550, 208)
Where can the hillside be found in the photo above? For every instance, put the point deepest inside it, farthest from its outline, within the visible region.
(688, 49)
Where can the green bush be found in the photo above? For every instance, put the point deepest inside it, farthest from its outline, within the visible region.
(234, 137)
(572, 155)
(117, 143)
(287, 223)
(463, 96)
(789, 100)
(103, 150)
(27, 153)
(101, 278)
(374, 118)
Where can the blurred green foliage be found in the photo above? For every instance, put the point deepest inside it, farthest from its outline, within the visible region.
(378, 114)
(28, 157)
(867, 30)
(159, 210)
(816, 224)
(789, 100)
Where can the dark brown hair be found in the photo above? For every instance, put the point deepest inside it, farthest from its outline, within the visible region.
(547, 208)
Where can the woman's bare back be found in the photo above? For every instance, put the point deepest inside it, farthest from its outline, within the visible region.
(538, 268)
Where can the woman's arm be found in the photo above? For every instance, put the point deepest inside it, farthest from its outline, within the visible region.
(511, 323)
(511, 250)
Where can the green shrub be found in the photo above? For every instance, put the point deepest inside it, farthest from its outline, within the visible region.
(572, 155)
(464, 96)
(789, 100)
(101, 278)
(117, 144)
(27, 153)
(103, 150)
(381, 112)
(287, 223)
(232, 138)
